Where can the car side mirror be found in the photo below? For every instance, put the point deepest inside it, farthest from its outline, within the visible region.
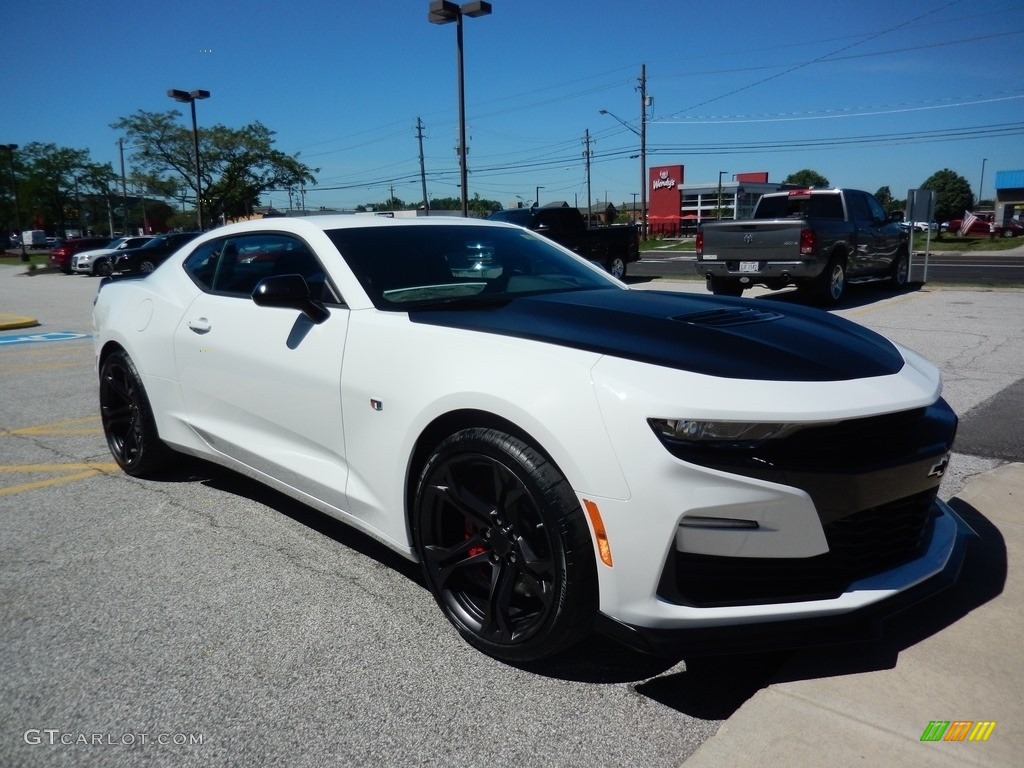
(289, 292)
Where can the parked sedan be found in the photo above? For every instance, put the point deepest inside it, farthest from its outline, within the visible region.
(149, 256)
(559, 452)
(98, 262)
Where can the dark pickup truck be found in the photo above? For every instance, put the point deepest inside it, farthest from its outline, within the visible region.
(816, 239)
(613, 247)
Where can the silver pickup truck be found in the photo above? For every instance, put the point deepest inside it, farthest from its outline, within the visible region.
(816, 239)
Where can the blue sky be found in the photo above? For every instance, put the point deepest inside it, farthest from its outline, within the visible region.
(869, 94)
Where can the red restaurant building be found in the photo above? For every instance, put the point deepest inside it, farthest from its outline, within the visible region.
(675, 208)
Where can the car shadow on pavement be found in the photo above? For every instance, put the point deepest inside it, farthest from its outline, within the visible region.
(705, 686)
(226, 480)
(854, 296)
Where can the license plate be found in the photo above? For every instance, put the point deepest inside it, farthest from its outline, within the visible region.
(750, 266)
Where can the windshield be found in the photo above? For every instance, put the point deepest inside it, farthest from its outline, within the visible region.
(406, 267)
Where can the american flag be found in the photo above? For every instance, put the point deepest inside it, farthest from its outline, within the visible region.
(969, 218)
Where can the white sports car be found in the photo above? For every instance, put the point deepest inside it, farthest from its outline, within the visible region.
(561, 453)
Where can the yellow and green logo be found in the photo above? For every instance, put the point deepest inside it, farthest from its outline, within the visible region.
(958, 730)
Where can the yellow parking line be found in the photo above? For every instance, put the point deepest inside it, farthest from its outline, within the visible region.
(66, 427)
(78, 472)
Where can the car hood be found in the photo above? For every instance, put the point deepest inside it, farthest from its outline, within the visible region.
(716, 336)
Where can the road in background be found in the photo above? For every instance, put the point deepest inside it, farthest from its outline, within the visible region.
(946, 267)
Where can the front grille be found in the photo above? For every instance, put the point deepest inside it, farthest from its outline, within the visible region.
(860, 545)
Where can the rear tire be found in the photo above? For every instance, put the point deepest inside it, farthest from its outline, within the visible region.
(617, 268)
(900, 271)
(127, 417)
(830, 287)
(505, 548)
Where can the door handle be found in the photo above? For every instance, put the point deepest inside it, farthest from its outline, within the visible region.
(200, 325)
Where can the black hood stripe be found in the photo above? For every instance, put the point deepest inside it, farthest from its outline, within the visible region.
(715, 336)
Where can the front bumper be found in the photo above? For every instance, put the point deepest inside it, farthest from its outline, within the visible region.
(818, 526)
(855, 616)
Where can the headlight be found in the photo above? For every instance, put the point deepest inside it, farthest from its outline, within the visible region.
(725, 434)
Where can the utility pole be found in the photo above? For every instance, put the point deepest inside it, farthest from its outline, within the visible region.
(586, 155)
(423, 170)
(643, 149)
(124, 190)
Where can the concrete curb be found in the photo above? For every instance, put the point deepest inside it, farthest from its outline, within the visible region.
(11, 322)
(954, 658)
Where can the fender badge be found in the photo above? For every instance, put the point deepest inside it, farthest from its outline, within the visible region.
(938, 470)
(377, 405)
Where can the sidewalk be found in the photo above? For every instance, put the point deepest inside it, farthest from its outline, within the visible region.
(955, 658)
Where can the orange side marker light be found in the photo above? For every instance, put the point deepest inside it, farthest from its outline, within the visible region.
(604, 549)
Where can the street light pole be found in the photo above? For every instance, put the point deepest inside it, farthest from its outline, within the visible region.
(645, 101)
(719, 211)
(190, 97)
(14, 187)
(444, 12)
(981, 184)
(536, 196)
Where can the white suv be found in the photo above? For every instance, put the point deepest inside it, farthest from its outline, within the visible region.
(98, 262)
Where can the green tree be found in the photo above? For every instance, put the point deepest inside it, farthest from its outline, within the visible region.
(884, 197)
(807, 178)
(237, 164)
(61, 188)
(446, 204)
(953, 194)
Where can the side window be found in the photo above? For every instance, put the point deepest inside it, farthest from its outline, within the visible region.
(826, 206)
(860, 212)
(201, 266)
(236, 265)
(877, 212)
(551, 220)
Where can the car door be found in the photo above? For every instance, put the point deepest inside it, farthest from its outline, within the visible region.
(261, 385)
(888, 239)
(865, 233)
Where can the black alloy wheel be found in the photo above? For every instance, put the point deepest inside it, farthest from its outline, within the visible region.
(103, 268)
(505, 548)
(146, 265)
(127, 418)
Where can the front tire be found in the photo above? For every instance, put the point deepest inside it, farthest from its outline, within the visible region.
(127, 418)
(505, 548)
(617, 268)
(146, 266)
(103, 268)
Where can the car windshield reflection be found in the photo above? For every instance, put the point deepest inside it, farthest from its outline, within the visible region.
(400, 268)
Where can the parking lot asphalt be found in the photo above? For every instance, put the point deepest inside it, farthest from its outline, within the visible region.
(952, 666)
